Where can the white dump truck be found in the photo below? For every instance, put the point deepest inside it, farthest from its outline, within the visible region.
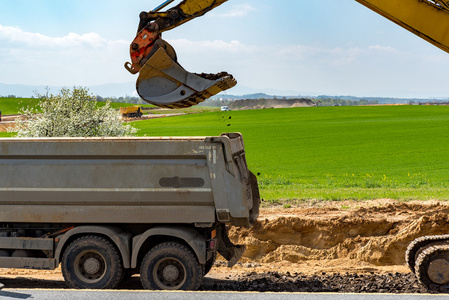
(105, 208)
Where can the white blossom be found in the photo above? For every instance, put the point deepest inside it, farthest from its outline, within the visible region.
(72, 113)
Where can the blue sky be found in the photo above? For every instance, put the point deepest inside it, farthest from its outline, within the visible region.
(295, 46)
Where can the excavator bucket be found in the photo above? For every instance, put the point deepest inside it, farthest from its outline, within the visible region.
(163, 82)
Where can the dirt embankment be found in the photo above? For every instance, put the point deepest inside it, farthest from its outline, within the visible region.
(270, 103)
(7, 121)
(336, 236)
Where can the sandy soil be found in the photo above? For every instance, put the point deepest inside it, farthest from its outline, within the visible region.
(322, 237)
(270, 103)
(151, 116)
(340, 236)
(7, 122)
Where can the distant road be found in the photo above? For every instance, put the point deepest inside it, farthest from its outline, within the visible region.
(145, 295)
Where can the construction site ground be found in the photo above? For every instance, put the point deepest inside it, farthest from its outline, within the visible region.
(345, 246)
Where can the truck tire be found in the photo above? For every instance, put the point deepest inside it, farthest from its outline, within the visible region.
(170, 266)
(92, 262)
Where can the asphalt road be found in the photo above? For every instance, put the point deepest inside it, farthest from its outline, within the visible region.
(145, 295)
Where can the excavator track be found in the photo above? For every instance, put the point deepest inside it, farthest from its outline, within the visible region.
(432, 268)
(418, 245)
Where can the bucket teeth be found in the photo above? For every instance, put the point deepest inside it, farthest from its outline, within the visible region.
(164, 83)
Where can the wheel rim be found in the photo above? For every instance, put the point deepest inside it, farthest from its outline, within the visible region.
(90, 266)
(169, 274)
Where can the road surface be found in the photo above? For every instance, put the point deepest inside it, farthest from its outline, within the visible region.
(145, 295)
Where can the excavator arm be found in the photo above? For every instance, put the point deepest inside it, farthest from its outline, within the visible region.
(162, 80)
(185, 11)
(428, 19)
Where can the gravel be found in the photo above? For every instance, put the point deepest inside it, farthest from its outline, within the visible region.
(271, 282)
(335, 283)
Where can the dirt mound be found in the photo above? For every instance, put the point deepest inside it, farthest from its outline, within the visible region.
(270, 103)
(377, 233)
(7, 121)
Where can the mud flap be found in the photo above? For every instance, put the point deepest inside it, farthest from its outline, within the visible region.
(163, 82)
(232, 253)
(254, 212)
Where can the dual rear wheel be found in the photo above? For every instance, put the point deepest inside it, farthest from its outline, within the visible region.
(93, 262)
(170, 266)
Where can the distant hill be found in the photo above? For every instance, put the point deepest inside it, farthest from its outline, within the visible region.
(127, 89)
(380, 100)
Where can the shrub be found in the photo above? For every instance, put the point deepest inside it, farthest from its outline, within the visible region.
(72, 113)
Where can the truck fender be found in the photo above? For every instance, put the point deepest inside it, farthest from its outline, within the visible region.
(193, 238)
(120, 238)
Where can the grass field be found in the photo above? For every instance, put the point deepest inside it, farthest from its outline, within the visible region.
(11, 106)
(334, 153)
(330, 153)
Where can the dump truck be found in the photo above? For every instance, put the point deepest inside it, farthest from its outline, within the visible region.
(106, 208)
(131, 111)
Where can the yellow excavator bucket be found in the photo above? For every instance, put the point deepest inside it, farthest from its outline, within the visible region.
(163, 82)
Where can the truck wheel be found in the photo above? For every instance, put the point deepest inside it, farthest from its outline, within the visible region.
(92, 262)
(170, 266)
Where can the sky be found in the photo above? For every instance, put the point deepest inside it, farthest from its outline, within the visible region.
(292, 47)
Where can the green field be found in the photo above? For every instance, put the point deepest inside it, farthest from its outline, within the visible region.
(11, 106)
(334, 153)
(328, 153)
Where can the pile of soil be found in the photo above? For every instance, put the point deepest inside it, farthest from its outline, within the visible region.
(370, 234)
(151, 116)
(270, 103)
(8, 121)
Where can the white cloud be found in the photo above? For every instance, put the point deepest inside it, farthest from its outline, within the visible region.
(380, 48)
(12, 36)
(90, 59)
(215, 46)
(73, 59)
(236, 11)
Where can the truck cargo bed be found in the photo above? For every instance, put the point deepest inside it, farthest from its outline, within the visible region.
(124, 180)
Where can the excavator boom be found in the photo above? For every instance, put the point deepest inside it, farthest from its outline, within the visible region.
(428, 19)
(162, 80)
